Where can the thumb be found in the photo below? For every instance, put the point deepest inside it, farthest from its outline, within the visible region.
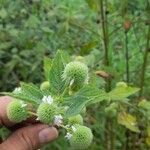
(30, 138)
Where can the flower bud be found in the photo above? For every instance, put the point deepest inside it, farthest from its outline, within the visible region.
(121, 84)
(45, 86)
(76, 120)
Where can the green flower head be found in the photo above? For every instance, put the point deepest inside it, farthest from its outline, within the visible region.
(78, 119)
(47, 110)
(16, 111)
(81, 138)
(77, 73)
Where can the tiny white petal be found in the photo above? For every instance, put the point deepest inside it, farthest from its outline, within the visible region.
(87, 80)
(37, 119)
(71, 82)
(23, 105)
(47, 99)
(17, 90)
(67, 126)
(66, 107)
(50, 99)
(58, 120)
(68, 136)
(73, 129)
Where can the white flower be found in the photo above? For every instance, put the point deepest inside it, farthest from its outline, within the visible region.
(58, 120)
(23, 104)
(66, 107)
(37, 119)
(17, 90)
(87, 80)
(47, 99)
(71, 82)
(67, 126)
(73, 128)
(68, 136)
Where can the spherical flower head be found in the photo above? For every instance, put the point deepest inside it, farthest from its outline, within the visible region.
(78, 119)
(81, 138)
(45, 86)
(46, 112)
(121, 84)
(17, 111)
(76, 72)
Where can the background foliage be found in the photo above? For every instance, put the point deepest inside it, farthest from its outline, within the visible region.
(32, 29)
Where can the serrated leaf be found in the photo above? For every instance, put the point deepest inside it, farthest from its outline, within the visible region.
(129, 121)
(47, 67)
(55, 75)
(120, 93)
(84, 96)
(21, 96)
(32, 91)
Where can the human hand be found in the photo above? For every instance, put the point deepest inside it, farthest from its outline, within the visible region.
(27, 135)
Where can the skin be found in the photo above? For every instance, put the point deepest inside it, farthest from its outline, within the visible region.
(28, 135)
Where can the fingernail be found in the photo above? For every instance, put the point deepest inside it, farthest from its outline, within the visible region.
(48, 134)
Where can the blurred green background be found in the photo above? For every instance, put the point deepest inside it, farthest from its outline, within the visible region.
(32, 29)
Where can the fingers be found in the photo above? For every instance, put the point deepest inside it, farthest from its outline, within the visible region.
(30, 138)
(4, 101)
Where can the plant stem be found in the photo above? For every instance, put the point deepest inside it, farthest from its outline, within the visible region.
(109, 138)
(127, 133)
(127, 57)
(143, 71)
(32, 113)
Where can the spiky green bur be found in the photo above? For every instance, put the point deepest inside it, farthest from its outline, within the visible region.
(121, 84)
(81, 138)
(45, 86)
(76, 72)
(46, 112)
(78, 119)
(16, 112)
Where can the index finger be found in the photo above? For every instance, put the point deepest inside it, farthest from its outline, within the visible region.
(4, 101)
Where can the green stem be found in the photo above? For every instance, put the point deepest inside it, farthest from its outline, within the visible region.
(127, 57)
(108, 133)
(145, 58)
(32, 113)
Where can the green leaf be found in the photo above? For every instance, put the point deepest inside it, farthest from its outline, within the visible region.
(32, 91)
(128, 121)
(55, 75)
(120, 93)
(85, 96)
(144, 104)
(21, 96)
(47, 67)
